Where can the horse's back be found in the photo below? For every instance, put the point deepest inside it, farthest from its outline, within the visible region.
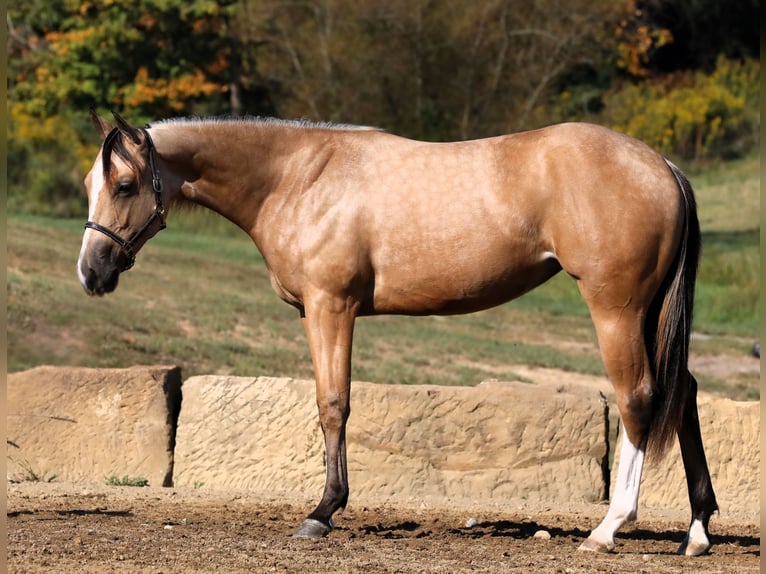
(467, 225)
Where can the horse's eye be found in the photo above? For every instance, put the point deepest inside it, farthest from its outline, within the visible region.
(125, 188)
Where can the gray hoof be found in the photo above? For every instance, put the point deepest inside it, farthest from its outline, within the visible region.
(312, 528)
(590, 545)
(688, 548)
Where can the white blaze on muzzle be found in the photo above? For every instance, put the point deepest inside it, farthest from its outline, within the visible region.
(97, 182)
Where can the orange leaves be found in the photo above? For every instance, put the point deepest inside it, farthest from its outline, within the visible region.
(147, 21)
(636, 40)
(219, 64)
(62, 43)
(174, 92)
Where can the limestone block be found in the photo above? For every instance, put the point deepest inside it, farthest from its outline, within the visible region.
(249, 433)
(541, 442)
(89, 424)
(731, 433)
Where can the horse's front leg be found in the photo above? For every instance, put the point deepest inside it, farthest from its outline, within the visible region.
(329, 329)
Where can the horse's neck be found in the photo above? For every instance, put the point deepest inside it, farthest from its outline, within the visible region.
(232, 168)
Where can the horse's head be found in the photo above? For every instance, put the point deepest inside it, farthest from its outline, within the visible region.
(125, 204)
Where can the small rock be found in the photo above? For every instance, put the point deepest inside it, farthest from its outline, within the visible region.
(471, 522)
(646, 557)
(168, 527)
(543, 535)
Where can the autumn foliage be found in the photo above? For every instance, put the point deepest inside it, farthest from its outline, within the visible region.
(682, 76)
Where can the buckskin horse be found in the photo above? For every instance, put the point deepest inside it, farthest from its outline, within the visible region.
(354, 221)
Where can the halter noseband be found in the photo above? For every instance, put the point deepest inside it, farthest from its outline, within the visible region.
(158, 213)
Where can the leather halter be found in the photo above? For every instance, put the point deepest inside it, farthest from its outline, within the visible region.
(159, 212)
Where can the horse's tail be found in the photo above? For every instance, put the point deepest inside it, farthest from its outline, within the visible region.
(668, 328)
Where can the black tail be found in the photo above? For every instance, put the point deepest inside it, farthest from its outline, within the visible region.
(668, 328)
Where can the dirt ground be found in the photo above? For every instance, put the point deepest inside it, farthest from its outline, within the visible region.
(76, 528)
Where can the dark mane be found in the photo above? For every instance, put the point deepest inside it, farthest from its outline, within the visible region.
(115, 143)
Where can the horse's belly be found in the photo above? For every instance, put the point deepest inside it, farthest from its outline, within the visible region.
(453, 287)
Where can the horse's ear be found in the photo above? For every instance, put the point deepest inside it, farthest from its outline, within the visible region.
(103, 126)
(132, 132)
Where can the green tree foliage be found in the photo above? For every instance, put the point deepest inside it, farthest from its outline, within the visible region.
(150, 57)
(696, 115)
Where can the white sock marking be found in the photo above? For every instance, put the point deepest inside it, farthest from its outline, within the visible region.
(624, 504)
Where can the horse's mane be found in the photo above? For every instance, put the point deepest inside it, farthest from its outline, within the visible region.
(114, 143)
(258, 120)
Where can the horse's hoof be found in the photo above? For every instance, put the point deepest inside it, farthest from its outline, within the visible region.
(591, 545)
(693, 548)
(312, 528)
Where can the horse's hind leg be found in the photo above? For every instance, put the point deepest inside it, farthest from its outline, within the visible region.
(701, 495)
(620, 335)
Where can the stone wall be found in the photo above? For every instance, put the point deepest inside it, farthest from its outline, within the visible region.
(545, 441)
(494, 440)
(90, 424)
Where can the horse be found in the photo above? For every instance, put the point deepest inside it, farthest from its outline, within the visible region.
(354, 221)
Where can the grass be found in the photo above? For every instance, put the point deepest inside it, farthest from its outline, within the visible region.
(728, 194)
(200, 297)
(728, 293)
(126, 480)
(26, 473)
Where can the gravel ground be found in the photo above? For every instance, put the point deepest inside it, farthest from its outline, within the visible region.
(56, 527)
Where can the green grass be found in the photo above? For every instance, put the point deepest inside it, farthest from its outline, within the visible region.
(728, 194)
(728, 292)
(126, 480)
(200, 297)
(729, 203)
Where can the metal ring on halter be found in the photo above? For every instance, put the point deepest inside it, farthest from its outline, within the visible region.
(159, 209)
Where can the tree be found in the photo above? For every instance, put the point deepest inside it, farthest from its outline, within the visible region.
(430, 69)
(701, 31)
(146, 58)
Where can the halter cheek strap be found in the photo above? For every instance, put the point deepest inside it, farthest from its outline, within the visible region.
(159, 212)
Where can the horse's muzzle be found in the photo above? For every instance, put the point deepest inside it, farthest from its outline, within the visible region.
(100, 280)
